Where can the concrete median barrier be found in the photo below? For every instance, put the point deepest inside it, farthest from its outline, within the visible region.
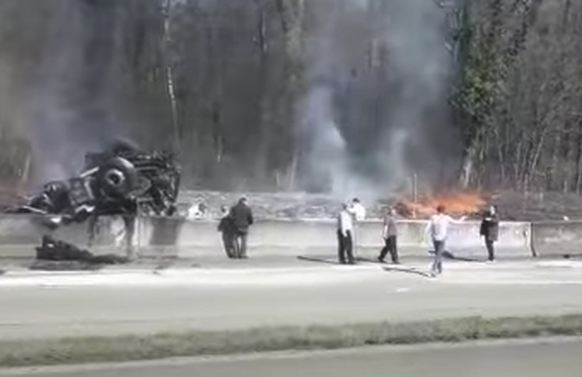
(557, 239)
(199, 238)
(178, 237)
(190, 239)
(464, 240)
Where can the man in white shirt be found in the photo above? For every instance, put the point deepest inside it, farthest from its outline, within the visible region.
(438, 230)
(357, 210)
(345, 230)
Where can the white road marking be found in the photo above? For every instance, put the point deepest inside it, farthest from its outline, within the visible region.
(198, 277)
(508, 278)
(563, 264)
(509, 282)
(454, 273)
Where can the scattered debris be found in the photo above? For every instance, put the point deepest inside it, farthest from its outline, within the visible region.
(59, 251)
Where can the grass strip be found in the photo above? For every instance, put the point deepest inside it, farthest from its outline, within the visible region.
(135, 348)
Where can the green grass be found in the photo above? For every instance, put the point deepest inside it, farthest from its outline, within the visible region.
(135, 348)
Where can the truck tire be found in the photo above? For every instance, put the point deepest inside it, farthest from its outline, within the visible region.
(117, 178)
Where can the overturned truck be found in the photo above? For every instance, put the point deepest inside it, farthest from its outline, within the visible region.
(123, 180)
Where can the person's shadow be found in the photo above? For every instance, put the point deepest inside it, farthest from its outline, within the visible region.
(406, 270)
(317, 260)
(450, 256)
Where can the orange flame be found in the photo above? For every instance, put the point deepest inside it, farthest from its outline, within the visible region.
(459, 203)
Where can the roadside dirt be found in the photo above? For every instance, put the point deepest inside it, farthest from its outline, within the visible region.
(512, 206)
(538, 206)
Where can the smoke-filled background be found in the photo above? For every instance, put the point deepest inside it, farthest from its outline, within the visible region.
(66, 91)
(71, 103)
(351, 97)
(377, 108)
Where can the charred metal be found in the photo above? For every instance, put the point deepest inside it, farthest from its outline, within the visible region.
(122, 180)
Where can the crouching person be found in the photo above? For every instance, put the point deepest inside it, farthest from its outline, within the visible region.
(226, 227)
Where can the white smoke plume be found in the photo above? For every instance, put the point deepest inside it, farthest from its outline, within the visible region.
(376, 112)
(325, 146)
(72, 103)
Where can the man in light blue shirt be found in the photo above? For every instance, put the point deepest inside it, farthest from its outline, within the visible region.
(438, 230)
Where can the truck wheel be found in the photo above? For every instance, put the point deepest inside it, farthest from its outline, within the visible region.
(117, 178)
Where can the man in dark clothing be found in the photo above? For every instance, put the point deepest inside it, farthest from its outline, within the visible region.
(389, 234)
(490, 231)
(242, 217)
(226, 227)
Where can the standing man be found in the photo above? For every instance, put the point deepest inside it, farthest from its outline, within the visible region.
(438, 229)
(344, 236)
(389, 234)
(358, 212)
(226, 227)
(242, 217)
(490, 231)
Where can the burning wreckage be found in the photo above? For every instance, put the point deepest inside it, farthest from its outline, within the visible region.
(121, 181)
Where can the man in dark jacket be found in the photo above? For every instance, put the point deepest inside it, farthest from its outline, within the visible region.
(242, 217)
(226, 227)
(490, 231)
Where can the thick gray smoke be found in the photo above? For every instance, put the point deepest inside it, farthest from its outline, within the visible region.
(376, 112)
(71, 104)
(70, 99)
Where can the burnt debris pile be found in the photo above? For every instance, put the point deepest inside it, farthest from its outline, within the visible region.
(123, 180)
(52, 253)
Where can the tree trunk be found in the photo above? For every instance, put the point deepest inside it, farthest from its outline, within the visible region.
(263, 137)
(554, 177)
(579, 161)
(167, 10)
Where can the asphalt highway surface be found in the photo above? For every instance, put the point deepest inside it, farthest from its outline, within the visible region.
(250, 294)
(507, 359)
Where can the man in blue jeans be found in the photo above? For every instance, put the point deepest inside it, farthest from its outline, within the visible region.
(438, 230)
